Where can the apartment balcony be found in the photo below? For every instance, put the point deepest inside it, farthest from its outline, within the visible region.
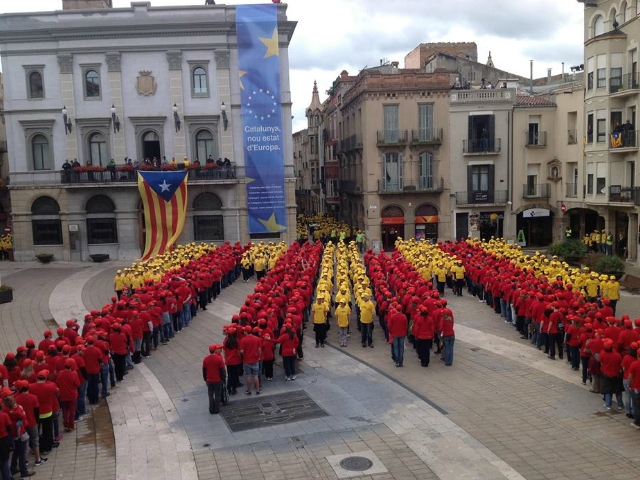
(538, 139)
(114, 177)
(572, 137)
(624, 86)
(469, 199)
(349, 186)
(430, 136)
(482, 95)
(424, 185)
(390, 138)
(538, 190)
(350, 143)
(482, 146)
(572, 190)
(623, 142)
(628, 195)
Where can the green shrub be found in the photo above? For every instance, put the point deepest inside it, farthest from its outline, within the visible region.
(610, 264)
(568, 249)
(591, 260)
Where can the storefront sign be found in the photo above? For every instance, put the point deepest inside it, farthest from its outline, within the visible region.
(392, 221)
(535, 213)
(426, 219)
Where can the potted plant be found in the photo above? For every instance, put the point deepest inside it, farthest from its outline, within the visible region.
(610, 265)
(6, 293)
(570, 250)
(44, 257)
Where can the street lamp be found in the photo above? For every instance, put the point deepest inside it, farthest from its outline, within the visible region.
(176, 117)
(114, 119)
(225, 120)
(66, 120)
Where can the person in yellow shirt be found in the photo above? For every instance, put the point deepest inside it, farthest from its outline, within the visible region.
(319, 312)
(614, 293)
(119, 283)
(342, 313)
(367, 310)
(441, 277)
(592, 286)
(260, 265)
(458, 272)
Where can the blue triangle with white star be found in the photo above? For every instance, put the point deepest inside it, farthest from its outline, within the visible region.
(164, 183)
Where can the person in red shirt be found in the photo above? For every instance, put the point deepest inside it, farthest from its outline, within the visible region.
(424, 331)
(46, 392)
(289, 345)
(634, 386)
(118, 341)
(627, 361)
(398, 325)
(448, 334)
(93, 363)
(268, 355)
(5, 444)
(18, 419)
(29, 403)
(68, 383)
(556, 319)
(232, 359)
(46, 342)
(610, 363)
(251, 351)
(214, 374)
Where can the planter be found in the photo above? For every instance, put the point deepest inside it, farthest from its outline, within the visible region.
(45, 257)
(6, 296)
(99, 257)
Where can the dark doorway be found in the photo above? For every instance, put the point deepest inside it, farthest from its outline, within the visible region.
(620, 235)
(462, 225)
(390, 234)
(151, 146)
(538, 231)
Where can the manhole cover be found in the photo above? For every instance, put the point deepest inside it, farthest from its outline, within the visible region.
(356, 464)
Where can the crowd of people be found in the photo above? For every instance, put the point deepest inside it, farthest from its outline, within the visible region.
(57, 376)
(324, 228)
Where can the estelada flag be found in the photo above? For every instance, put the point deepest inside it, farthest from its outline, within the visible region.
(164, 196)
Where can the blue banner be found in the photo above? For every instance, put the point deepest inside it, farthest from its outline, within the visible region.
(259, 72)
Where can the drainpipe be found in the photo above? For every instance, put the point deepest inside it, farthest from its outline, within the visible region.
(509, 208)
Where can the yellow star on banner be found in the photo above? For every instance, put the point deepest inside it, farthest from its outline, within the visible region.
(271, 44)
(272, 225)
(249, 180)
(241, 73)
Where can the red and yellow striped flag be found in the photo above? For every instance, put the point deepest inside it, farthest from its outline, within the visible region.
(164, 196)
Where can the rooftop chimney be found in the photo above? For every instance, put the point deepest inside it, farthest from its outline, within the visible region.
(531, 77)
(86, 4)
(548, 76)
(563, 72)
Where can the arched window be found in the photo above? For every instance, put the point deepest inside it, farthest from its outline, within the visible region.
(623, 12)
(98, 153)
(199, 81)
(36, 88)
(101, 221)
(205, 146)
(598, 26)
(40, 151)
(92, 83)
(45, 222)
(208, 223)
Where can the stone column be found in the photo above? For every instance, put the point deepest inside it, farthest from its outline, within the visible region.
(119, 150)
(223, 81)
(68, 100)
(174, 59)
(632, 237)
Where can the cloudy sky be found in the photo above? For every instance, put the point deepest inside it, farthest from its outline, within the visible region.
(333, 35)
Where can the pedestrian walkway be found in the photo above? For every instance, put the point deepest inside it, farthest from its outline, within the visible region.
(503, 411)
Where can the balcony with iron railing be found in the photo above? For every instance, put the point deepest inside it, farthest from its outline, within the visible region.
(620, 194)
(572, 190)
(427, 136)
(481, 146)
(625, 85)
(572, 137)
(537, 190)
(624, 141)
(495, 197)
(423, 185)
(116, 176)
(391, 137)
(536, 139)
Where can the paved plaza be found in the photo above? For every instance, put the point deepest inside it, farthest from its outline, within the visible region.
(503, 411)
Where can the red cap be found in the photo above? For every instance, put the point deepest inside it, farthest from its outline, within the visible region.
(66, 349)
(21, 384)
(48, 333)
(21, 348)
(39, 355)
(60, 330)
(43, 374)
(69, 363)
(5, 392)
(27, 362)
(70, 322)
(30, 343)
(10, 356)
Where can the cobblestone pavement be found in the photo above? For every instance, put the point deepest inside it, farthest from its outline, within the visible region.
(502, 411)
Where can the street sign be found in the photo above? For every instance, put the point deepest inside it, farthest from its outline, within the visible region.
(563, 207)
(535, 213)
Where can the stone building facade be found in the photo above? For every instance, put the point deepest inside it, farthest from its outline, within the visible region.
(94, 83)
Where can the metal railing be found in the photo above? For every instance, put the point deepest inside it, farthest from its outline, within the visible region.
(624, 139)
(537, 190)
(481, 197)
(424, 185)
(391, 137)
(126, 175)
(427, 136)
(481, 146)
(537, 139)
(620, 194)
(628, 81)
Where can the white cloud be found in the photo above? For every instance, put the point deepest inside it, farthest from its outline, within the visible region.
(333, 35)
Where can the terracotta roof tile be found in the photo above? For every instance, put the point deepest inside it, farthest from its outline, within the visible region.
(534, 101)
